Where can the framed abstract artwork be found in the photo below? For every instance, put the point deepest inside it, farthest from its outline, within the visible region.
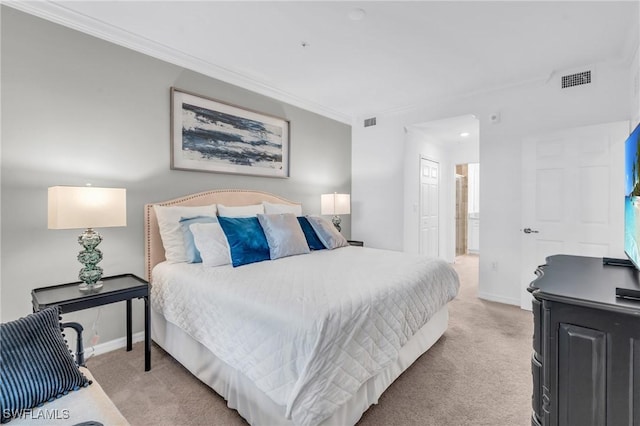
(211, 136)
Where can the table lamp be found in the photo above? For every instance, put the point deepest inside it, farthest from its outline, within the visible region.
(77, 207)
(335, 204)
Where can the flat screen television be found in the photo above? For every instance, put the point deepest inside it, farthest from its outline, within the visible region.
(632, 197)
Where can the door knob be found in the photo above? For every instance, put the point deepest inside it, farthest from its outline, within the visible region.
(530, 231)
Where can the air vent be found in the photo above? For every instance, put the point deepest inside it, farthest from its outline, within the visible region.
(576, 79)
(370, 122)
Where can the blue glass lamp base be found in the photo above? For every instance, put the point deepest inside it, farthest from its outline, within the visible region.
(91, 273)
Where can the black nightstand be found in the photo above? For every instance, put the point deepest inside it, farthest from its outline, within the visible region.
(356, 243)
(115, 289)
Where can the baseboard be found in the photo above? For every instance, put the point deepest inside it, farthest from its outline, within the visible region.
(499, 299)
(112, 345)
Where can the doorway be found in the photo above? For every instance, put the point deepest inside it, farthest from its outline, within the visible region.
(467, 210)
(573, 182)
(446, 142)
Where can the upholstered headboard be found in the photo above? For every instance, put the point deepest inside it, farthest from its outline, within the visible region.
(153, 248)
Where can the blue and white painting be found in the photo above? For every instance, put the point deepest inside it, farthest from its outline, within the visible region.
(217, 137)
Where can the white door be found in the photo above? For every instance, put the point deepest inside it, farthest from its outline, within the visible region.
(572, 195)
(429, 194)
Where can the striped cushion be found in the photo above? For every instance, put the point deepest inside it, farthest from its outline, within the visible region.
(36, 365)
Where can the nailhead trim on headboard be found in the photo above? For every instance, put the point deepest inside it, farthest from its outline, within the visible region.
(231, 197)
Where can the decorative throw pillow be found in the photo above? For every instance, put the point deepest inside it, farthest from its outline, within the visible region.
(36, 363)
(271, 208)
(240, 211)
(170, 230)
(312, 238)
(191, 251)
(284, 235)
(247, 242)
(327, 233)
(211, 243)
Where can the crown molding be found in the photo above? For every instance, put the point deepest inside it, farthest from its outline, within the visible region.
(449, 98)
(69, 18)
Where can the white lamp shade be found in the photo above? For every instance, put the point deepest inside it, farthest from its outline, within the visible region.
(335, 204)
(78, 207)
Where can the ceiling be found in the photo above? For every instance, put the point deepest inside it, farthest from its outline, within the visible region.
(400, 54)
(458, 131)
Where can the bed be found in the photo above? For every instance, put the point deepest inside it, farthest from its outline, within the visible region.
(309, 339)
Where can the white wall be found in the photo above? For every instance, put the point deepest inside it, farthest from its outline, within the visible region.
(532, 108)
(378, 165)
(634, 78)
(634, 83)
(76, 109)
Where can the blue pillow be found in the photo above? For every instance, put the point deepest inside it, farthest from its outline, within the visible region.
(247, 242)
(192, 252)
(36, 363)
(311, 236)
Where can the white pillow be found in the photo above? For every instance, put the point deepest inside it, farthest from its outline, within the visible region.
(171, 232)
(240, 211)
(211, 243)
(270, 208)
(327, 233)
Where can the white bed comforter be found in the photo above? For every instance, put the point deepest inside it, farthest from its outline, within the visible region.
(309, 330)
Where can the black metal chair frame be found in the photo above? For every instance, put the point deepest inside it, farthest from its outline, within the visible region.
(79, 345)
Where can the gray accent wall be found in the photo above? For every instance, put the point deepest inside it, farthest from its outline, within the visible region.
(78, 110)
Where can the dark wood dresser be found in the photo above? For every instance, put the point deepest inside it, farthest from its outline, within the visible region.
(586, 344)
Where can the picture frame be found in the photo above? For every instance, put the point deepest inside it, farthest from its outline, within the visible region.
(208, 135)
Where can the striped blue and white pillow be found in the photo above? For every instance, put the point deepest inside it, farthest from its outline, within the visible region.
(36, 365)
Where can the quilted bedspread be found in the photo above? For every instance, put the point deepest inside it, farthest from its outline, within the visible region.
(308, 330)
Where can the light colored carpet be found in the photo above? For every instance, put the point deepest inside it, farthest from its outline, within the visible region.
(478, 373)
